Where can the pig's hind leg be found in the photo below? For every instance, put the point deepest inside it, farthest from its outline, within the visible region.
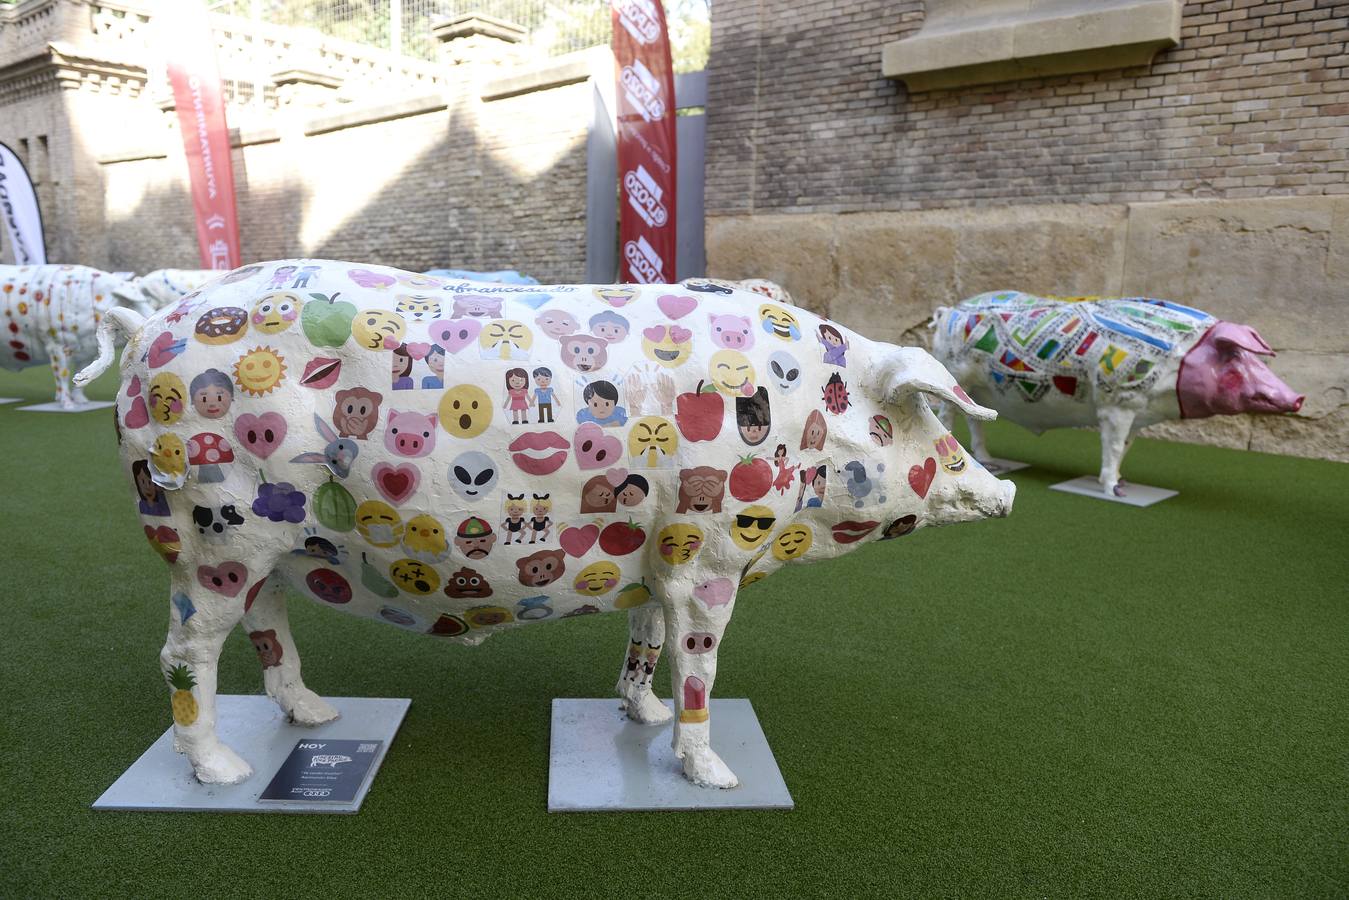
(1116, 436)
(646, 634)
(693, 632)
(268, 627)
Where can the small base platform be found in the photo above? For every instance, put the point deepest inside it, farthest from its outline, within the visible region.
(997, 466)
(1134, 494)
(56, 407)
(255, 728)
(600, 761)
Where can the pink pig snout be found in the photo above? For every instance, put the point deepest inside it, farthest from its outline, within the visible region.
(1224, 374)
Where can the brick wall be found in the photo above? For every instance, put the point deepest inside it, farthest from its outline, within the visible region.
(1252, 103)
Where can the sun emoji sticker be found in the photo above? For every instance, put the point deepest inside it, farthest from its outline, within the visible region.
(259, 371)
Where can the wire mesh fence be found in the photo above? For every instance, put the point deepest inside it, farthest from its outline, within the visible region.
(554, 26)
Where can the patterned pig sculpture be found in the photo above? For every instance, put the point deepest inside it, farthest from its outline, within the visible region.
(1120, 365)
(156, 290)
(50, 316)
(457, 461)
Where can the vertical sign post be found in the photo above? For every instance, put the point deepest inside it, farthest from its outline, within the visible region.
(201, 117)
(646, 142)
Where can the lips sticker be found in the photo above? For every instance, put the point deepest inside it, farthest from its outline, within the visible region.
(676, 306)
(455, 334)
(260, 435)
(850, 532)
(920, 477)
(396, 483)
(321, 372)
(539, 452)
(577, 540)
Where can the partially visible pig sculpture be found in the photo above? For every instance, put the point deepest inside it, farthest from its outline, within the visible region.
(156, 290)
(50, 316)
(1120, 365)
(458, 461)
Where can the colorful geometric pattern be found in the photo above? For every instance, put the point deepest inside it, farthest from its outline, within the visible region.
(1041, 344)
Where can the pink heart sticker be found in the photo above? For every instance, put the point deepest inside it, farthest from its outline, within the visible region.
(138, 416)
(134, 388)
(260, 435)
(920, 477)
(396, 483)
(680, 335)
(676, 306)
(227, 578)
(654, 333)
(615, 477)
(418, 350)
(577, 540)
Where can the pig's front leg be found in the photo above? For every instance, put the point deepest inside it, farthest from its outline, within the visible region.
(268, 627)
(1116, 427)
(646, 630)
(693, 633)
(60, 363)
(200, 619)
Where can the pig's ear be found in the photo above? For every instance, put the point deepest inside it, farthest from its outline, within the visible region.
(1229, 336)
(909, 370)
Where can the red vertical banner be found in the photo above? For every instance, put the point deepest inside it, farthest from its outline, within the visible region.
(190, 51)
(646, 142)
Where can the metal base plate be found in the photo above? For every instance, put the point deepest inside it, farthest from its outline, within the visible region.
(600, 761)
(255, 728)
(997, 466)
(56, 407)
(1134, 494)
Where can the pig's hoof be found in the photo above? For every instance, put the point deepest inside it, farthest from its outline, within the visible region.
(308, 708)
(221, 765)
(646, 709)
(1118, 490)
(704, 768)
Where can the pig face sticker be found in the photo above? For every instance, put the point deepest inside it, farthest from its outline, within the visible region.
(779, 323)
(505, 339)
(410, 434)
(669, 345)
(473, 475)
(584, 352)
(731, 332)
(784, 371)
(378, 329)
(949, 454)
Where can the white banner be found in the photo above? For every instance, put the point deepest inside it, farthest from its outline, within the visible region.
(18, 207)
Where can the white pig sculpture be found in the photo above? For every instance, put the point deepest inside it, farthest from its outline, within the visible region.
(156, 290)
(50, 316)
(1120, 365)
(455, 462)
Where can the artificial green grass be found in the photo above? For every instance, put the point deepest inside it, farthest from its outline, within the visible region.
(1082, 699)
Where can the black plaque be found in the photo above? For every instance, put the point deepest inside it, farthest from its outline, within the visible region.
(323, 771)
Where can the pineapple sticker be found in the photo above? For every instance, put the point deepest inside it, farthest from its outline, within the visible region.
(184, 705)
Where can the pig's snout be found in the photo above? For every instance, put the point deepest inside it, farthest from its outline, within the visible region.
(1004, 507)
(409, 443)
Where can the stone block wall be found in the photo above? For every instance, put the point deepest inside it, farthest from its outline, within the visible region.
(1215, 176)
